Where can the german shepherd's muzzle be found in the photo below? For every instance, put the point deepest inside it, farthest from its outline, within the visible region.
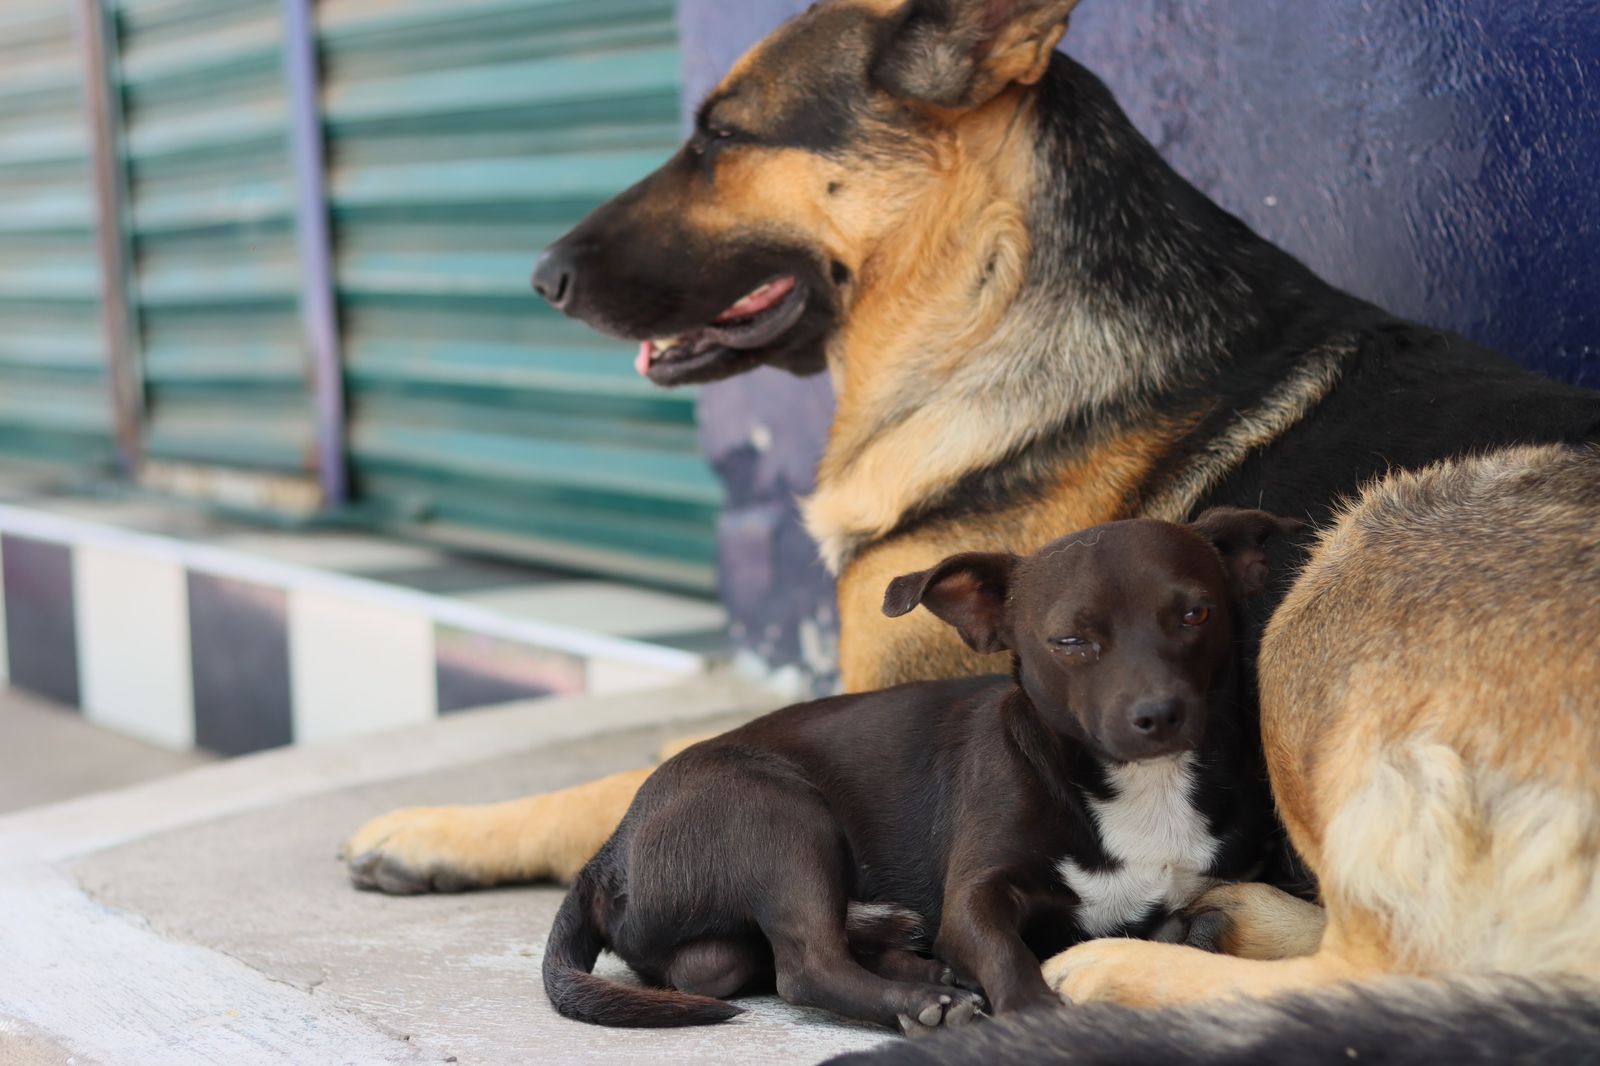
(641, 272)
(688, 263)
(745, 247)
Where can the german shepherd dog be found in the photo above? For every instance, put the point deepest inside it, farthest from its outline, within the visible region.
(1031, 322)
(1099, 789)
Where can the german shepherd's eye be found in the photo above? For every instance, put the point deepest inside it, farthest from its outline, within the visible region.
(1196, 616)
(707, 140)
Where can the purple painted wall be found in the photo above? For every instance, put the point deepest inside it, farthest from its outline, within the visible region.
(1437, 157)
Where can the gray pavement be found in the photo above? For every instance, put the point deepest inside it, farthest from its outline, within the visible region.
(204, 918)
(49, 753)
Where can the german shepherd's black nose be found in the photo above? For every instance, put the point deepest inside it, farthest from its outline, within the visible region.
(555, 275)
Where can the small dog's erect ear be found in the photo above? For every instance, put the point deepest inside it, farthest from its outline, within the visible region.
(1240, 537)
(961, 53)
(967, 590)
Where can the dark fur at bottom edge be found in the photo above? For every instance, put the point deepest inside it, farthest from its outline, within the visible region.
(1501, 1020)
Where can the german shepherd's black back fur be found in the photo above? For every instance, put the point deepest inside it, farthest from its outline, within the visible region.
(1482, 1022)
(1226, 320)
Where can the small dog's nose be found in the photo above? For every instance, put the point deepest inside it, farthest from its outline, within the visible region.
(554, 276)
(1158, 719)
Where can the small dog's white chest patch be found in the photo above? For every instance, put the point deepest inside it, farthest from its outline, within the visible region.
(1162, 845)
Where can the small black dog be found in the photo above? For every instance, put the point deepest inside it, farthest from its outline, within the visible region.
(1097, 791)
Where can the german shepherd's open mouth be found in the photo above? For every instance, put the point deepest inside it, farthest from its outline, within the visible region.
(757, 320)
(685, 297)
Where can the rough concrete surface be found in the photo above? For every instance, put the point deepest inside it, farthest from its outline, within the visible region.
(237, 937)
(458, 974)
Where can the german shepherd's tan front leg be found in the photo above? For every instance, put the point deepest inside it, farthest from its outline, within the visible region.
(1139, 973)
(1255, 921)
(449, 849)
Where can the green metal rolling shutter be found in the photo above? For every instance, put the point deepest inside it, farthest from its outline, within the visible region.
(215, 269)
(463, 137)
(54, 404)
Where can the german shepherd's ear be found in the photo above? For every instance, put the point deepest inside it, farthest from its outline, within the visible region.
(961, 53)
(1240, 537)
(967, 590)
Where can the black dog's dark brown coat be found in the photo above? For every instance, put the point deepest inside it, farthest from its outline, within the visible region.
(999, 808)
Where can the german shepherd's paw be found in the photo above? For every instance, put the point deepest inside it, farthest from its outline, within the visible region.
(1254, 921)
(1108, 970)
(414, 850)
(947, 1007)
(1140, 973)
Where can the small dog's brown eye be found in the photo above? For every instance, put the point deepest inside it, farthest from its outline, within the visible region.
(1196, 616)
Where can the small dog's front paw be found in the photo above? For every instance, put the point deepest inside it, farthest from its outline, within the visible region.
(948, 1008)
(407, 852)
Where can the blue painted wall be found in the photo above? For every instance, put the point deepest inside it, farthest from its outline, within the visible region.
(1438, 157)
(763, 431)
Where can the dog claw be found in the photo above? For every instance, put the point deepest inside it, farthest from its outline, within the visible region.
(948, 977)
(956, 1008)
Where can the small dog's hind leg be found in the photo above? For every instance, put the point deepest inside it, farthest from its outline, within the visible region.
(806, 925)
(898, 964)
(721, 967)
(826, 976)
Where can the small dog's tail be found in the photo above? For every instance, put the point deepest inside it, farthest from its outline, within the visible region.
(1479, 1021)
(569, 956)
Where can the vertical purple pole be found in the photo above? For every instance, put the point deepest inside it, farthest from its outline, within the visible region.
(317, 306)
(118, 314)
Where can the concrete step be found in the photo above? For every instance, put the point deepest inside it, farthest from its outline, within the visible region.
(203, 917)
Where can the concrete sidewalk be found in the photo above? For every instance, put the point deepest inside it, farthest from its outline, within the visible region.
(50, 753)
(204, 918)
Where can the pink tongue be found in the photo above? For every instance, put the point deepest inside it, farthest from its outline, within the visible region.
(769, 295)
(766, 296)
